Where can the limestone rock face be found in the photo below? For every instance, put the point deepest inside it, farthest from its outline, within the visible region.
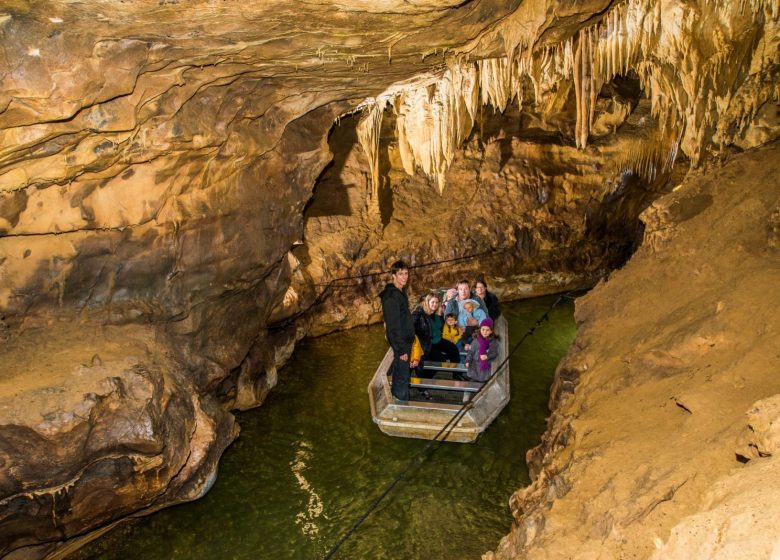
(639, 457)
(157, 168)
(540, 217)
(761, 436)
(738, 519)
(731, 526)
(91, 427)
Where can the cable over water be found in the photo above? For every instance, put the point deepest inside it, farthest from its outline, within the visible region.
(334, 283)
(435, 443)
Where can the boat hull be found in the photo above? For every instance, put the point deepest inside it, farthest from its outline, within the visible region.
(425, 420)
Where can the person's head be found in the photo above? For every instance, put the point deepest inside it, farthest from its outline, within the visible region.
(451, 319)
(469, 306)
(452, 293)
(480, 287)
(464, 290)
(400, 273)
(431, 303)
(486, 327)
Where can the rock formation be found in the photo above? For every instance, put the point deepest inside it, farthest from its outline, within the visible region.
(663, 440)
(165, 197)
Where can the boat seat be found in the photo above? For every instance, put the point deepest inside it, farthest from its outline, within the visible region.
(444, 366)
(432, 405)
(445, 385)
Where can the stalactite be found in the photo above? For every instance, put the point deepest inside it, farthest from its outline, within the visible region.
(686, 97)
(652, 157)
(496, 81)
(434, 119)
(586, 86)
(368, 130)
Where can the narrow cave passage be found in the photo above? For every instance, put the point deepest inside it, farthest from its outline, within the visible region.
(170, 230)
(310, 460)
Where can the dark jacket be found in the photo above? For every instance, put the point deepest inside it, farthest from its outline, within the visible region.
(399, 327)
(423, 328)
(493, 309)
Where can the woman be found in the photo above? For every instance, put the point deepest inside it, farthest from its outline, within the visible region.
(428, 325)
(490, 299)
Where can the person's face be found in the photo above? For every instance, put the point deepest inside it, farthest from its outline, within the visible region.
(451, 321)
(480, 288)
(468, 307)
(433, 303)
(463, 291)
(401, 277)
(485, 331)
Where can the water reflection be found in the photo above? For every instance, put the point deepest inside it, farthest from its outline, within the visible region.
(306, 519)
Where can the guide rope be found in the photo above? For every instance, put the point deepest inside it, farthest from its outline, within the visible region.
(435, 443)
(334, 283)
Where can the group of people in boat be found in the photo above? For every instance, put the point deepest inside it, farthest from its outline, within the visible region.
(445, 323)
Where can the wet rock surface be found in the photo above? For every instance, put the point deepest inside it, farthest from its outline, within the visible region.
(93, 423)
(662, 441)
(165, 196)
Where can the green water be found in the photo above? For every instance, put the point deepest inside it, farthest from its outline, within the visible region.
(310, 461)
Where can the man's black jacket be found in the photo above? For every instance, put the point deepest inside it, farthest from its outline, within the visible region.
(399, 326)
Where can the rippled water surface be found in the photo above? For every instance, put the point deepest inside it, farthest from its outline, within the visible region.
(310, 461)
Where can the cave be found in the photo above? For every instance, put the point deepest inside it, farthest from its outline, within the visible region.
(191, 191)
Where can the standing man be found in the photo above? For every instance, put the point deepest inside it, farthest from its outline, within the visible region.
(399, 327)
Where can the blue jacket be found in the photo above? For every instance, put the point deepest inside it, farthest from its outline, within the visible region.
(464, 316)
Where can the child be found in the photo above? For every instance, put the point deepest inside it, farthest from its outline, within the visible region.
(449, 295)
(482, 352)
(451, 330)
(469, 318)
(471, 315)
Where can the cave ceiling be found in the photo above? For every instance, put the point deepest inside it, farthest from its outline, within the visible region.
(139, 125)
(158, 158)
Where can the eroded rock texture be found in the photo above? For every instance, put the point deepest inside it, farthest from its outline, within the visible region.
(93, 424)
(157, 166)
(645, 451)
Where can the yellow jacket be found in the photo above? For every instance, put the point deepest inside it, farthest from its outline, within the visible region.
(453, 334)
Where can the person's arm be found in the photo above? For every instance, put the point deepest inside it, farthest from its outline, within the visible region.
(472, 354)
(417, 319)
(451, 307)
(492, 351)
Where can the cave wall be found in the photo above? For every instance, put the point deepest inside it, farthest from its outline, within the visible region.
(156, 160)
(540, 215)
(663, 435)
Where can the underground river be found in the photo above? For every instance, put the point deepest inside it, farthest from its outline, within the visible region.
(310, 461)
